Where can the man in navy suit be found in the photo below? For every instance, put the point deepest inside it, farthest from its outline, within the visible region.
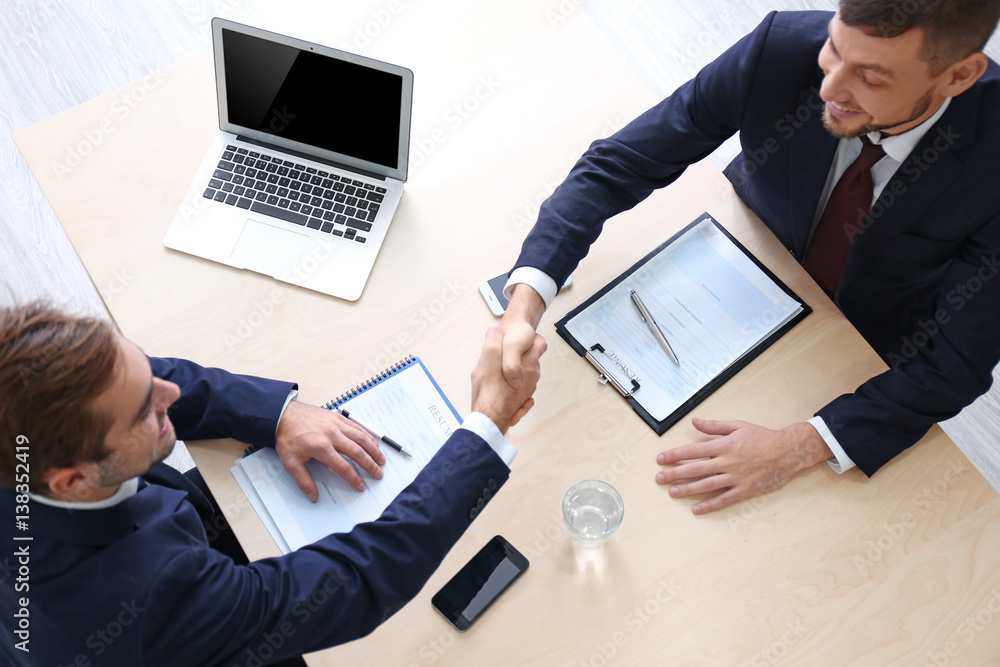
(112, 563)
(901, 86)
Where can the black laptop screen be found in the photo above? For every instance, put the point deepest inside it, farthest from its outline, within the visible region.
(313, 99)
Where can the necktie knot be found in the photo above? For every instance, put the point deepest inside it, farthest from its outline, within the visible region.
(870, 154)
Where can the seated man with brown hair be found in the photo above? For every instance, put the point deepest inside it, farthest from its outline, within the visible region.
(118, 567)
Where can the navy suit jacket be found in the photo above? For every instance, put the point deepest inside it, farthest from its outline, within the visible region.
(920, 280)
(137, 583)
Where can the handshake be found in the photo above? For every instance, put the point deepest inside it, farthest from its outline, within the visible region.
(504, 401)
(508, 369)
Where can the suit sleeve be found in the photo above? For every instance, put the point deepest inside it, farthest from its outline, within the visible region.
(941, 367)
(651, 152)
(213, 612)
(218, 404)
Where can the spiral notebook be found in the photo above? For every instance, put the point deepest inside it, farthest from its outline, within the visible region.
(403, 402)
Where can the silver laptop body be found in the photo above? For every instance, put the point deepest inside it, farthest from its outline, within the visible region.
(307, 172)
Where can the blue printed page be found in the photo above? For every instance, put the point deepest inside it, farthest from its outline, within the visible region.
(712, 303)
(407, 407)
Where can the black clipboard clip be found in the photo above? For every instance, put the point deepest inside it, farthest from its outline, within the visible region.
(604, 376)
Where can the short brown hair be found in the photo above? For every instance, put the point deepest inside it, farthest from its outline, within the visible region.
(52, 367)
(953, 29)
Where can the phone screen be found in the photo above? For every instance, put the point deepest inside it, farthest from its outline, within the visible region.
(497, 284)
(477, 585)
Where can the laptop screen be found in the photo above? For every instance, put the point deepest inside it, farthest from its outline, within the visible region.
(321, 101)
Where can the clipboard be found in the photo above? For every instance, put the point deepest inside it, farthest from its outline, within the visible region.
(643, 389)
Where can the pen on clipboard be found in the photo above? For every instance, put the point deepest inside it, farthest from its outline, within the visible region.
(384, 438)
(653, 326)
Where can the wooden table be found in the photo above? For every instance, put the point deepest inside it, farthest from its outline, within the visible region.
(831, 570)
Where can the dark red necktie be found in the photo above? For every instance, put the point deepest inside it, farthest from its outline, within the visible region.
(846, 209)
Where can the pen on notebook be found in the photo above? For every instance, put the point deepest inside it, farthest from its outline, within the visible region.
(653, 326)
(384, 438)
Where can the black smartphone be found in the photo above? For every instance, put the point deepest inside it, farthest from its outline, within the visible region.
(477, 585)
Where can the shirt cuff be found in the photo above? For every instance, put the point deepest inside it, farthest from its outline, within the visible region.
(484, 427)
(840, 462)
(291, 396)
(535, 279)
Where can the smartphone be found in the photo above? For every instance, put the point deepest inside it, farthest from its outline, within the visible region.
(477, 585)
(492, 291)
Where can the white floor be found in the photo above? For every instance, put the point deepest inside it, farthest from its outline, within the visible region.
(59, 53)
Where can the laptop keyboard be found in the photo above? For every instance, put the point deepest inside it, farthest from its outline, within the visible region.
(270, 185)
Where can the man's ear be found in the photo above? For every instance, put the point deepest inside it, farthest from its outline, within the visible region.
(71, 483)
(960, 76)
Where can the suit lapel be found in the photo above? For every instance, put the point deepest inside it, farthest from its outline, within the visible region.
(811, 153)
(925, 176)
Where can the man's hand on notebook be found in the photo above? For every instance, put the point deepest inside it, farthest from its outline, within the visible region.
(306, 432)
(492, 395)
(744, 461)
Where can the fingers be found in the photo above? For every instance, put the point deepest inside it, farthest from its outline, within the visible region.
(301, 476)
(352, 437)
(724, 499)
(518, 348)
(712, 427)
(699, 450)
(351, 441)
(692, 470)
(523, 410)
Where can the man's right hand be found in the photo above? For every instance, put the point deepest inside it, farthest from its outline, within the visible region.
(492, 395)
(518, 329)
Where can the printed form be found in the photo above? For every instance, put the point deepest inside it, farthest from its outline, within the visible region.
(713, 304)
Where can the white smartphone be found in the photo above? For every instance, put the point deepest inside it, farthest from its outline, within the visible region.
(492, 291)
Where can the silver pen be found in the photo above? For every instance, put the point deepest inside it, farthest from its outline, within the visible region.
(384, 438)
(653, 326)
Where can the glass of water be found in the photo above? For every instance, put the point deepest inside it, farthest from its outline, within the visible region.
(592, 510)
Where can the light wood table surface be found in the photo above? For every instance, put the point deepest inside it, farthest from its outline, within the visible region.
(829, 570)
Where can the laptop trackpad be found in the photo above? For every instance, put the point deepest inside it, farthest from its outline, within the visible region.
(268, 249)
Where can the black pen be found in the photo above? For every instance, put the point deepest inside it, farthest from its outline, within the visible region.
(384, 438)
(653, 327)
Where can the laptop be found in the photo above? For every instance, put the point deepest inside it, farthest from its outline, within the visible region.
(308, 169)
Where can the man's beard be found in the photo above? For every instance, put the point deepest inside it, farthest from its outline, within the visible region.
(919, 109)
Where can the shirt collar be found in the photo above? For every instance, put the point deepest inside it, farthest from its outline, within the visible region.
(127, 489)
(899, 146)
